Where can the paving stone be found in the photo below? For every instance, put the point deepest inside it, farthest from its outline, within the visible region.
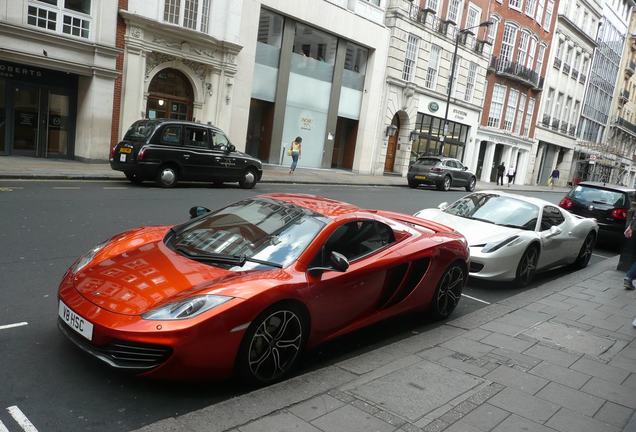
(315, 407)
(476, 334)
(280, 422)
(600, 370)
(485, 417)
(389, 418)
(553, 355)
(570, 421)
(523, 404)
(460, 426)
(350, 419)
(630, 381)
(166, 425)
(481, 316)
(369, 361)
(436, 353)
(515, 359)
(514, 378)
(507, 342)
(465, 366)
(615, 414)
(502, 327)
(486, 393)
(609, 323)
(570, 338)
(562, 375)
(611, 391)
(408, 427)
(435, 426)
(515, 423)
(524, 318)
(624, 363)
(570, 398)
(416, 390)
(467, 346)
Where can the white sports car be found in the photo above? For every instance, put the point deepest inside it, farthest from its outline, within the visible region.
(513, 236)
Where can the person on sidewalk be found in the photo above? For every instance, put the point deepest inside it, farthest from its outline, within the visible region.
(501, 169)
(511, 175)
(628, 281)
(294, 152)
(554, 177)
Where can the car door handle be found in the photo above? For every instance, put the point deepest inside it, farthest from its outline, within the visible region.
(217, 158)
(186, 156)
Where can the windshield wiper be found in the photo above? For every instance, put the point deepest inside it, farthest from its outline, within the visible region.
(510, 226)
(479, 219)
(238, 260)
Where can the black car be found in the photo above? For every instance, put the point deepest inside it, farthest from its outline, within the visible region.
(170, 150)
(608, 204)
(442, 172)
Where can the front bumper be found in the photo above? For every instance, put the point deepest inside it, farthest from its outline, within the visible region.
(500, 265)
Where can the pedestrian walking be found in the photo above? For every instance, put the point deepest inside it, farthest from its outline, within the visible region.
(501, 169)
(554, 177)
(511, 175)
(628, 281)
(294, 151)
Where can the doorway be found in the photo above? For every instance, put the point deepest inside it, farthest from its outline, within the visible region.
(26, 121)
(496, 161)
(344, 145)
(391, 147)
(480, 158)
(259, 129)
(170, 96)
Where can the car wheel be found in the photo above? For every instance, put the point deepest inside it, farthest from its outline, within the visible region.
(167, 176)
(272, 345)
(448, 292)
(586, 251)
(471, 184)
(527, 266)
(446, 183)
(248, 181)
(133, 178)
(412, 185)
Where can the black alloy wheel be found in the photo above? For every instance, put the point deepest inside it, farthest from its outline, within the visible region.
(471, 184)
(585, 253)
(272, 345)
(448, 292)
(167, 176)
(248, 181)
(527, 266)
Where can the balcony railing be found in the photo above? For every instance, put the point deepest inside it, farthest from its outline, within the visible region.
(575, 74)
(566, 68)
(515, 71)
(630, 68)
(546, 120)
(624, 96)
(564, 127)
(582, 78)
(620, 121)
(555, 124)
(557, 63)
(419, 14)
(572, 130)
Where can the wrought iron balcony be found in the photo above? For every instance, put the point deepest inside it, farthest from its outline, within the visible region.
(582, 78)
(557, 63)
(575, 74)
(564, 127)
(630, 68)
(572, 130)
(555, 124)
(624, 96)
(419, 14)
(546, 120)
(566, 68)
(620, 121)
(514, 71)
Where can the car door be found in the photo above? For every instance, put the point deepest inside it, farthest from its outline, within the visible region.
(166, 145)
(197, 155)
(556, 240)
(455, 172)
(341, 298)
(226, 162)
(463, 173)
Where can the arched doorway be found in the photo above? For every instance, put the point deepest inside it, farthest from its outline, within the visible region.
(170, 96)
(391, 147)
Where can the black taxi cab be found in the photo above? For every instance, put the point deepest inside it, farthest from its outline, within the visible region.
(168, 151)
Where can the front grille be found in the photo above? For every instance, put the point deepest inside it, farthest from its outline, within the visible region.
(475, 267)
(121, 354)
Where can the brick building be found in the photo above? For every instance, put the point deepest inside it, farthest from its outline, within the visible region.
(520, 40)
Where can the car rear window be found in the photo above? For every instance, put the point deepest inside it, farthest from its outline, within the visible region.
(427, 161)
(140, 130)
(590, 194)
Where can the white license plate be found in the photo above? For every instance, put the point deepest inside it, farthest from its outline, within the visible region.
(122, 158)
(76, 322)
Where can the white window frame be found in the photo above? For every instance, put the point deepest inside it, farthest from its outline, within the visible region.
(538, 17)
(531, 6)
(60, 13)
(511, 109)
(515, 4)
(547, 22)
(540, 59)
(522, 48)
(496, 105)
(470, 82)
(529, 115)
(532, 50)
(492, 31)
(458, 13)
(510, 43)
(410, 58)
(520, 110)
(436, 8)
(432, 71)
(201, 23)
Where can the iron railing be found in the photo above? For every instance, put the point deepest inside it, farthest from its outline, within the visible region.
(515, 71)
(557, 63)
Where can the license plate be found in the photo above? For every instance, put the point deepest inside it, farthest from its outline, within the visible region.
(76, 322)
(125, 150)
(420, 177)
(122, 158)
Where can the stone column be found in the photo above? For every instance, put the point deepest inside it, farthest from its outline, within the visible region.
(505, 157)
(488, 161)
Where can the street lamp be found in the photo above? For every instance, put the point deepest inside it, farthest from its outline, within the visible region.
(452, 77)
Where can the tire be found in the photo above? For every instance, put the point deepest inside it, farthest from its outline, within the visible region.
(167, 176)
(133, 178)
(272, 345)
(583, 258)
(448, 292)
(470, 187)
(413, 185)
(446, 184)
(248, 180)
(527, 267)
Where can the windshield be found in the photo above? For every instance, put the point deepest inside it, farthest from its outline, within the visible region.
(140, 130)
(263, 229)
(427, 161)
(496, 209)
(598, 196)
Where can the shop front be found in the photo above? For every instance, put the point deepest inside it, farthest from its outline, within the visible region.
(430, 130)
(37, 111)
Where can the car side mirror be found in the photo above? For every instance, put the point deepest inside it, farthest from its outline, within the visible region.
(442, 206)
(230, 148)
(198, 211)
(553, 231)
(337, 261)
(465, 168)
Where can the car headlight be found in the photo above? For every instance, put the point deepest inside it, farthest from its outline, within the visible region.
(491, 247)
(187, 308)
(85, 259)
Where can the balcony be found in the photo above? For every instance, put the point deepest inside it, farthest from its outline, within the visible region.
(624, 96)
(566, 68)
(582, 78)
(557, 63)
(564, 128)
(555, 124)
(630, 68)
(575, 74)
(546, 120)
(515, 71)
(572, 131)
(419, 14)
(631, 127)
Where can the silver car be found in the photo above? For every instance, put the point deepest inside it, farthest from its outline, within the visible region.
(511, 237)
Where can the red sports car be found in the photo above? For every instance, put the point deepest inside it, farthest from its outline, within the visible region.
(245, 289)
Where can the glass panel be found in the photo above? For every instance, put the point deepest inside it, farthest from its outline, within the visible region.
(315, 44)
(83, 6)
(25, 125)
(171, 82)
(190, 14)
(57, 139)
(171, 11)
(3, 116)
(352, 81)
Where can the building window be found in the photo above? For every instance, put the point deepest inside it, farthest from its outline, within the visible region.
(548, 15)
(474, 16)
(470, 83)
(515, 4)
(171, 11)
(433, 64)
(496, 105)
(529, 113)
(75, 26)
(531, 52)
(433, 4)
(70, 17)
(508, 44)
(519, 118)
(523, 47)
(410, 59)
(548, 103)
(540, 57)
(192, 14)
(530, 6)
(539, 16)
(511, 109)
(454, 11)
(41, 17)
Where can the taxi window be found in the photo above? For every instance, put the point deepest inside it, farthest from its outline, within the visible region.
(171, 135)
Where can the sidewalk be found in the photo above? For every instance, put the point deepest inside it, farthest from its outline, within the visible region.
(17, 167)
(560, 357)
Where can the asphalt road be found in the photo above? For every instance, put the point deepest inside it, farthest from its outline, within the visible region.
(46, 225)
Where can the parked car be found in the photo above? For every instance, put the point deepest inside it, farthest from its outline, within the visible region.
(511, 237)
(442, 172)
(171, 150)
(248, 287)
(608, 204)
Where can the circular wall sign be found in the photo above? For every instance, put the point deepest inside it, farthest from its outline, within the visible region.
(433, 106)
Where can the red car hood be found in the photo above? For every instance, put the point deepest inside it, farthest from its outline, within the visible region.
(137, 272)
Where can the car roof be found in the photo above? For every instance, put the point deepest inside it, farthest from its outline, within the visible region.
(318, 204)
(536, 201)
(607, 186)
(181, 122)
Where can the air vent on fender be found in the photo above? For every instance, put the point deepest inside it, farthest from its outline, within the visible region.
(415, 273)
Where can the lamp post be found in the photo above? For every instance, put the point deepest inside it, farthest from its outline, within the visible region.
(452, 77)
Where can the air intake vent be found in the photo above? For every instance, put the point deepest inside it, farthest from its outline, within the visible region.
(416, 272)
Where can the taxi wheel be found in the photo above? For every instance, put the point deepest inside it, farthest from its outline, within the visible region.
(167, 176)
(133, 178)
(248, 181)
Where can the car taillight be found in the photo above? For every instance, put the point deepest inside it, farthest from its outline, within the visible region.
(566, 203)
(437, 170)
(112, 153)
(140, 155)
(620, 214)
